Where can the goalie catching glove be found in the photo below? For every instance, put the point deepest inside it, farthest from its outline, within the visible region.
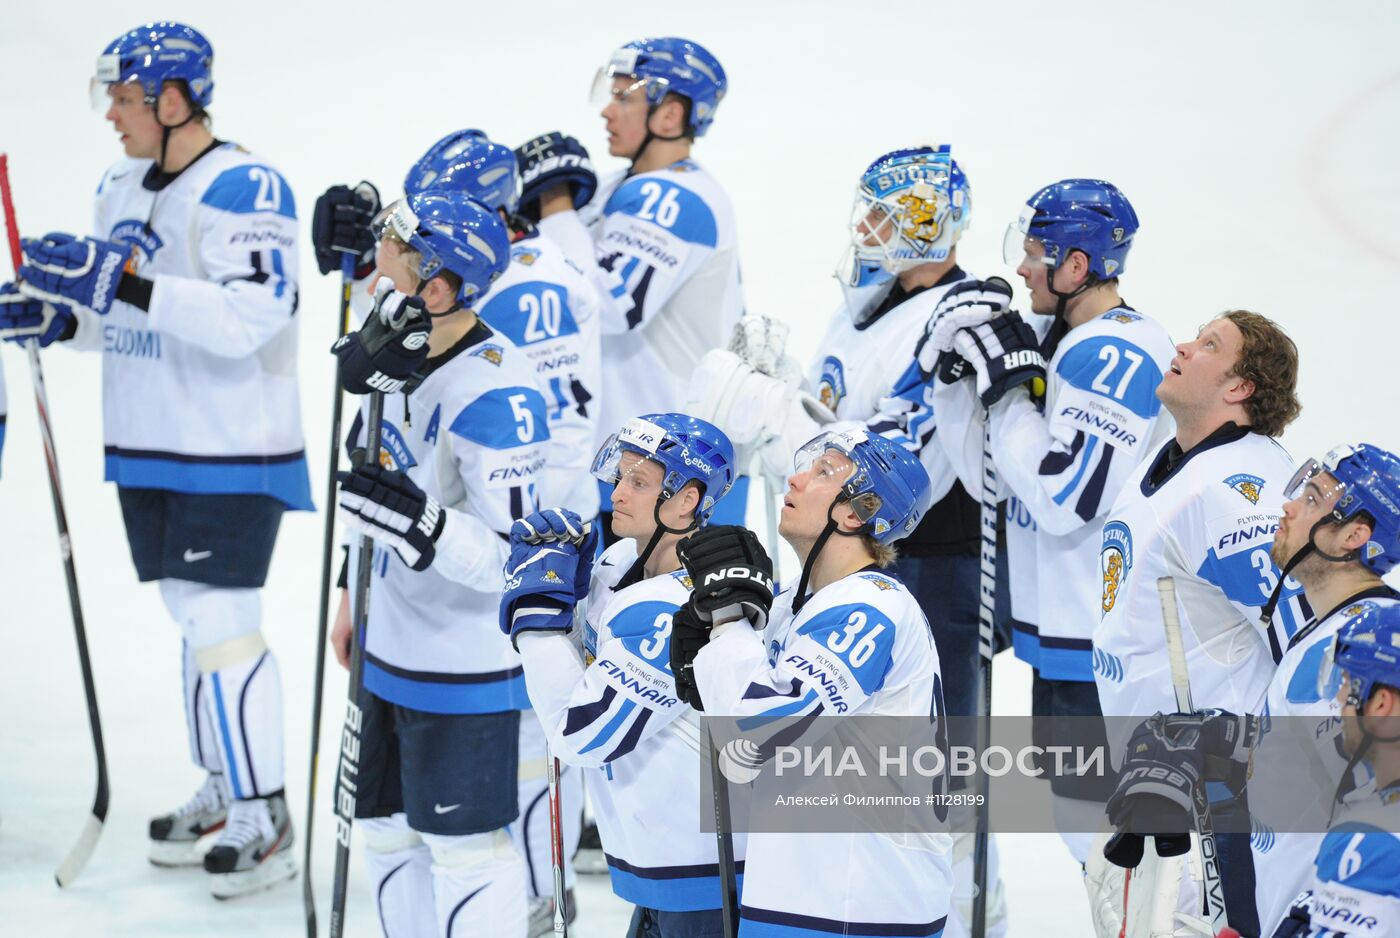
(387, 505)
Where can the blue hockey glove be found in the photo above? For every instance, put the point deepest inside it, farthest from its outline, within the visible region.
(540, 582)
(340, 225)
(389, 506)
(553, 159)
(386, 353)
(1006, 354)
(85, 272)
(559, 525)
(23, 318)
(1157, 787)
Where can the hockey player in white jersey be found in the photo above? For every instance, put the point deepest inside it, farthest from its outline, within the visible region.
(662, 231)
(1065, 436)
(1204, 510)
(848, 639)
(461, 455)
(550, 311)
(1355, 885)
(189, 289)
(605, 693)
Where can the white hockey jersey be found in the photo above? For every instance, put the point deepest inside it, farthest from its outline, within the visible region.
(858, 646)
(473, 435)
(669, 246)
(200, 393)
(607, 700)
(1208, 521)
(1355, 888)
(1283, 860)
(1065, 465)
(550, 310)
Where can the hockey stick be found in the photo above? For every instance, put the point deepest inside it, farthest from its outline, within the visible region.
(81, 851)
(556, 844)
(724, 842)
(1181, 683)
(986, 615)
(348, 771)
(308, 896)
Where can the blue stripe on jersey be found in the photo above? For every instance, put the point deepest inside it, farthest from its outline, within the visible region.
(1066, 659)
(1361, 857)
(668, 206)
(1025, 642)
(229, 761)
(1084, 459)
(776, 713)
(1246, 576)
(669, 888)
(476, 693)
(504, 418)
(1113, 368)
(247, 189)
(1302, 686)
(584, 714)
(770, 923)
(606, 732)
(634, 736)
(537, 311)
(283, 477)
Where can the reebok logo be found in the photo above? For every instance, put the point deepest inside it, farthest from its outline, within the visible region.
(100, 293)
(195, 556)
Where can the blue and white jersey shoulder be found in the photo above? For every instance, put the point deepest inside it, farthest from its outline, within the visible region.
(669, 242)
(1209, 525)
(617, 712)
(550, 310)
(1355, 889)
(200, 392)
(473, 435)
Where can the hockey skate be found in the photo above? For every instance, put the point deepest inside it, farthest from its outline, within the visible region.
(175, 837)
(542, 914)
(255, 849)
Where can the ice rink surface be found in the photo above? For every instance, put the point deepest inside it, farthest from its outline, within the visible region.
(1256, 140)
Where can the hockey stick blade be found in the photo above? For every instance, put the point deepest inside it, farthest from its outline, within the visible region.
(81, 852)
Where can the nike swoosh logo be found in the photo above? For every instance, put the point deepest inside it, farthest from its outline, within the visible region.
(193, 556)
(439, 809)
(605, 563)
(117, 176)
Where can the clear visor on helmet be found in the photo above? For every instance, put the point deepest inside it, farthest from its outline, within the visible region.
(1017, 244)
(604, 91)
(1310, 472)
(398, 221)
(636, 436)
(107, 74)
(1332, 677)
(829, 458)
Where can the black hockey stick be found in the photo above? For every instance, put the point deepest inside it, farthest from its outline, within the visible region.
(308, 896)
(724, 842)
(348, 772)
(1205, 827)
(986, 646)
(81, 851)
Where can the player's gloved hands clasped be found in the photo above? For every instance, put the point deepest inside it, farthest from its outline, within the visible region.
(543, 571)
(1225, 740)
(61, 268)
(730, 573)
(386, 353)
(340, 225)
(1156, 789)
(553, 159)
(1006, 354)
(23, 317)
(388, 506)
(689, 634)
(966, 304)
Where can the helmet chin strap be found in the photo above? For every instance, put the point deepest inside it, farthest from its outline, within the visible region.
(457, 305)
(167, 128)
(1064, 298)
(1367, 738)
(637, 571)
(1266, 615)
(799, 596)
(646, 141)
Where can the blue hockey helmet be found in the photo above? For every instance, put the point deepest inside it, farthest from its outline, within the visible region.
(451, 232)
(467, 161)
(1367, 484)
(888, 487)
(1366, 652)
(1086, 215)
(671, 65)
(911, 206)
(153, 54)
(687, 450)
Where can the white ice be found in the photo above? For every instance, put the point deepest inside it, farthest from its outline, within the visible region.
(1257, 141)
